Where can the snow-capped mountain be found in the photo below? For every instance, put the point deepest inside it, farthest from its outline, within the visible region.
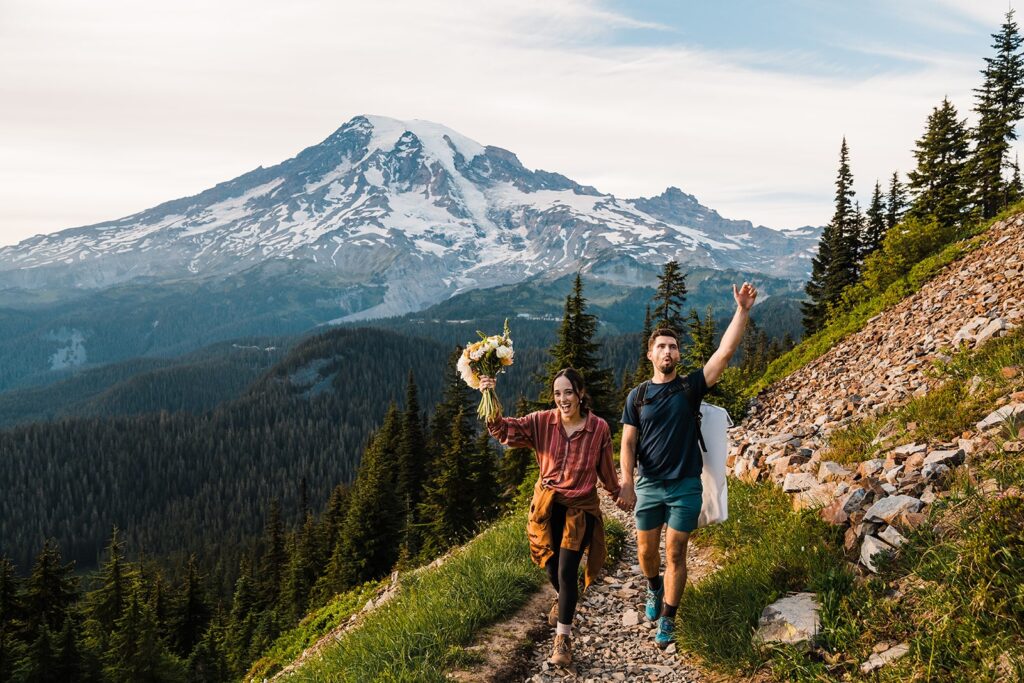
(413, 208)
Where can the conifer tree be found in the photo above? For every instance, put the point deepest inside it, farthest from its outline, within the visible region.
(275, 556)
(40, 662)
(702, 339)
(939, 183)
(193, 612)
(457, 398)
(447, 508)
(10, 594)
(669, 298)
(483, 479)
(874, 226)
(51, 590)
(516, 461)
(999, 104)
(574, 347)
(412, 464)
(303, 568)
(70, 664)
(1016, 188)
(835, 265)
(643, 366)
(136, 654)
(370, 535)
(208, 662)
(242, 620)
(106, 602)
(895, 202)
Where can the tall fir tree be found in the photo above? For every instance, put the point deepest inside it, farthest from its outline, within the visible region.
(702, 339)
(275, 557)
(643, 366)
(669, 298)
(483, 478)
(413, 465)
(242, 620)
(939, 184)
(136, 653)
(370, 537)
(874, 225)
(193, 611)
(835, 265)
(448, 506)
(457, 399)
(895, 201)
(105, 604)
(51, 590)
(999, 104)
(515, 462)
(575, 347)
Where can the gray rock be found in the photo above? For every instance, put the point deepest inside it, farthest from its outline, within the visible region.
(936, 470)
(871, 547)
(832, 471)
(892, 537)
(799, 481)
(879, 659)
(1010, 414)
(950, 458)
(792, 620)
(889, 508)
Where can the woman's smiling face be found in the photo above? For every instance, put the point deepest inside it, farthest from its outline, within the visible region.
(566, 399)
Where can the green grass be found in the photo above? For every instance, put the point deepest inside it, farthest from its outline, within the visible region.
(420, 633)
(769, 551)
(944, 413)
(316, 625)
(853, 320)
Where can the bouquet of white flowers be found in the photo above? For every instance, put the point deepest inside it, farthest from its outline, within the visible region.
(489, 356)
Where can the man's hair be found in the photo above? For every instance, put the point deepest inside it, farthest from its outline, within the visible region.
(578, 385)
(662, 332)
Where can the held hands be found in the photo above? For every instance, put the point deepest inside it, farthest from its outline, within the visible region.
(745, 295)
(627, 496)
(486, 383)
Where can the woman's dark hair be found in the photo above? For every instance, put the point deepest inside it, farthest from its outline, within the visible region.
(578, 385)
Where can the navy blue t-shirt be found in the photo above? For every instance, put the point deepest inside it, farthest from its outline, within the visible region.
(667, 446)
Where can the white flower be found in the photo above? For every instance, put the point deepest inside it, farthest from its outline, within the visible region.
(503, 352)
(477, 354)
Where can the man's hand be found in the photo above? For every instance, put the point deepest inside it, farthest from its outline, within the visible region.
(745, 295)
(627, 496)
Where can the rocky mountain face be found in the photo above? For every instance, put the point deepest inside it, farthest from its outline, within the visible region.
(972, 301)
(394, 216)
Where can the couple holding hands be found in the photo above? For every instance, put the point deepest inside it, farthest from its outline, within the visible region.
(574, 450)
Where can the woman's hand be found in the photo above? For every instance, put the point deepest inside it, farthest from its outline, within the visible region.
(486, 383)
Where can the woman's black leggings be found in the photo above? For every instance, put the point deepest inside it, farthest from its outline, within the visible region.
(564, 566)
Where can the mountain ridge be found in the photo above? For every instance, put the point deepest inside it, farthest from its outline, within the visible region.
(410, 205)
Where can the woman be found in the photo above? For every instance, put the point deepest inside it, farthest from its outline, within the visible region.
(574, 450)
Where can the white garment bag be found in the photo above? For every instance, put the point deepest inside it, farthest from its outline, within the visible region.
(714, 422)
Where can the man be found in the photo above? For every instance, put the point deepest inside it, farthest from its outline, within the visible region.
(660, 435)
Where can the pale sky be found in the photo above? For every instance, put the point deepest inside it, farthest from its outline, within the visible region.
(109, 107)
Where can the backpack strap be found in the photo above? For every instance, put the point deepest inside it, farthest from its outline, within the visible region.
(640, 400)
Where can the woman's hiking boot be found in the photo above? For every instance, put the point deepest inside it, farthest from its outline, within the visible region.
(562, 655)
(653, 607)
(666, 630)
(553, 615)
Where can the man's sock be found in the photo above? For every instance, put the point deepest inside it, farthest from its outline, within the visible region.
(654, 583)
(563, 629)
(669, 611)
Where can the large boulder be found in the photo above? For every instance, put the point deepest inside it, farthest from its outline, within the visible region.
(793, 620)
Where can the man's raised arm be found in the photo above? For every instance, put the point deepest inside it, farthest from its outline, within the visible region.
(719, 361)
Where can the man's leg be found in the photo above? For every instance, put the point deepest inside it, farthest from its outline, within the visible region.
(649, 549)
(675, 568)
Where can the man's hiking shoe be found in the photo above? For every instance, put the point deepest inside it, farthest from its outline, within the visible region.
(562, 655)
(553, 615)
(666, 628)
(653, 608)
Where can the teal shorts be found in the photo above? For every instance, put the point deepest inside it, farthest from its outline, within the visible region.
(676, 501)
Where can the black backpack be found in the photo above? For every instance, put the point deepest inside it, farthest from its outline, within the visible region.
(640, 400)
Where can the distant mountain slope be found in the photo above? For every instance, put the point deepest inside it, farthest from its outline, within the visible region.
(414, 206)
(196, 382)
